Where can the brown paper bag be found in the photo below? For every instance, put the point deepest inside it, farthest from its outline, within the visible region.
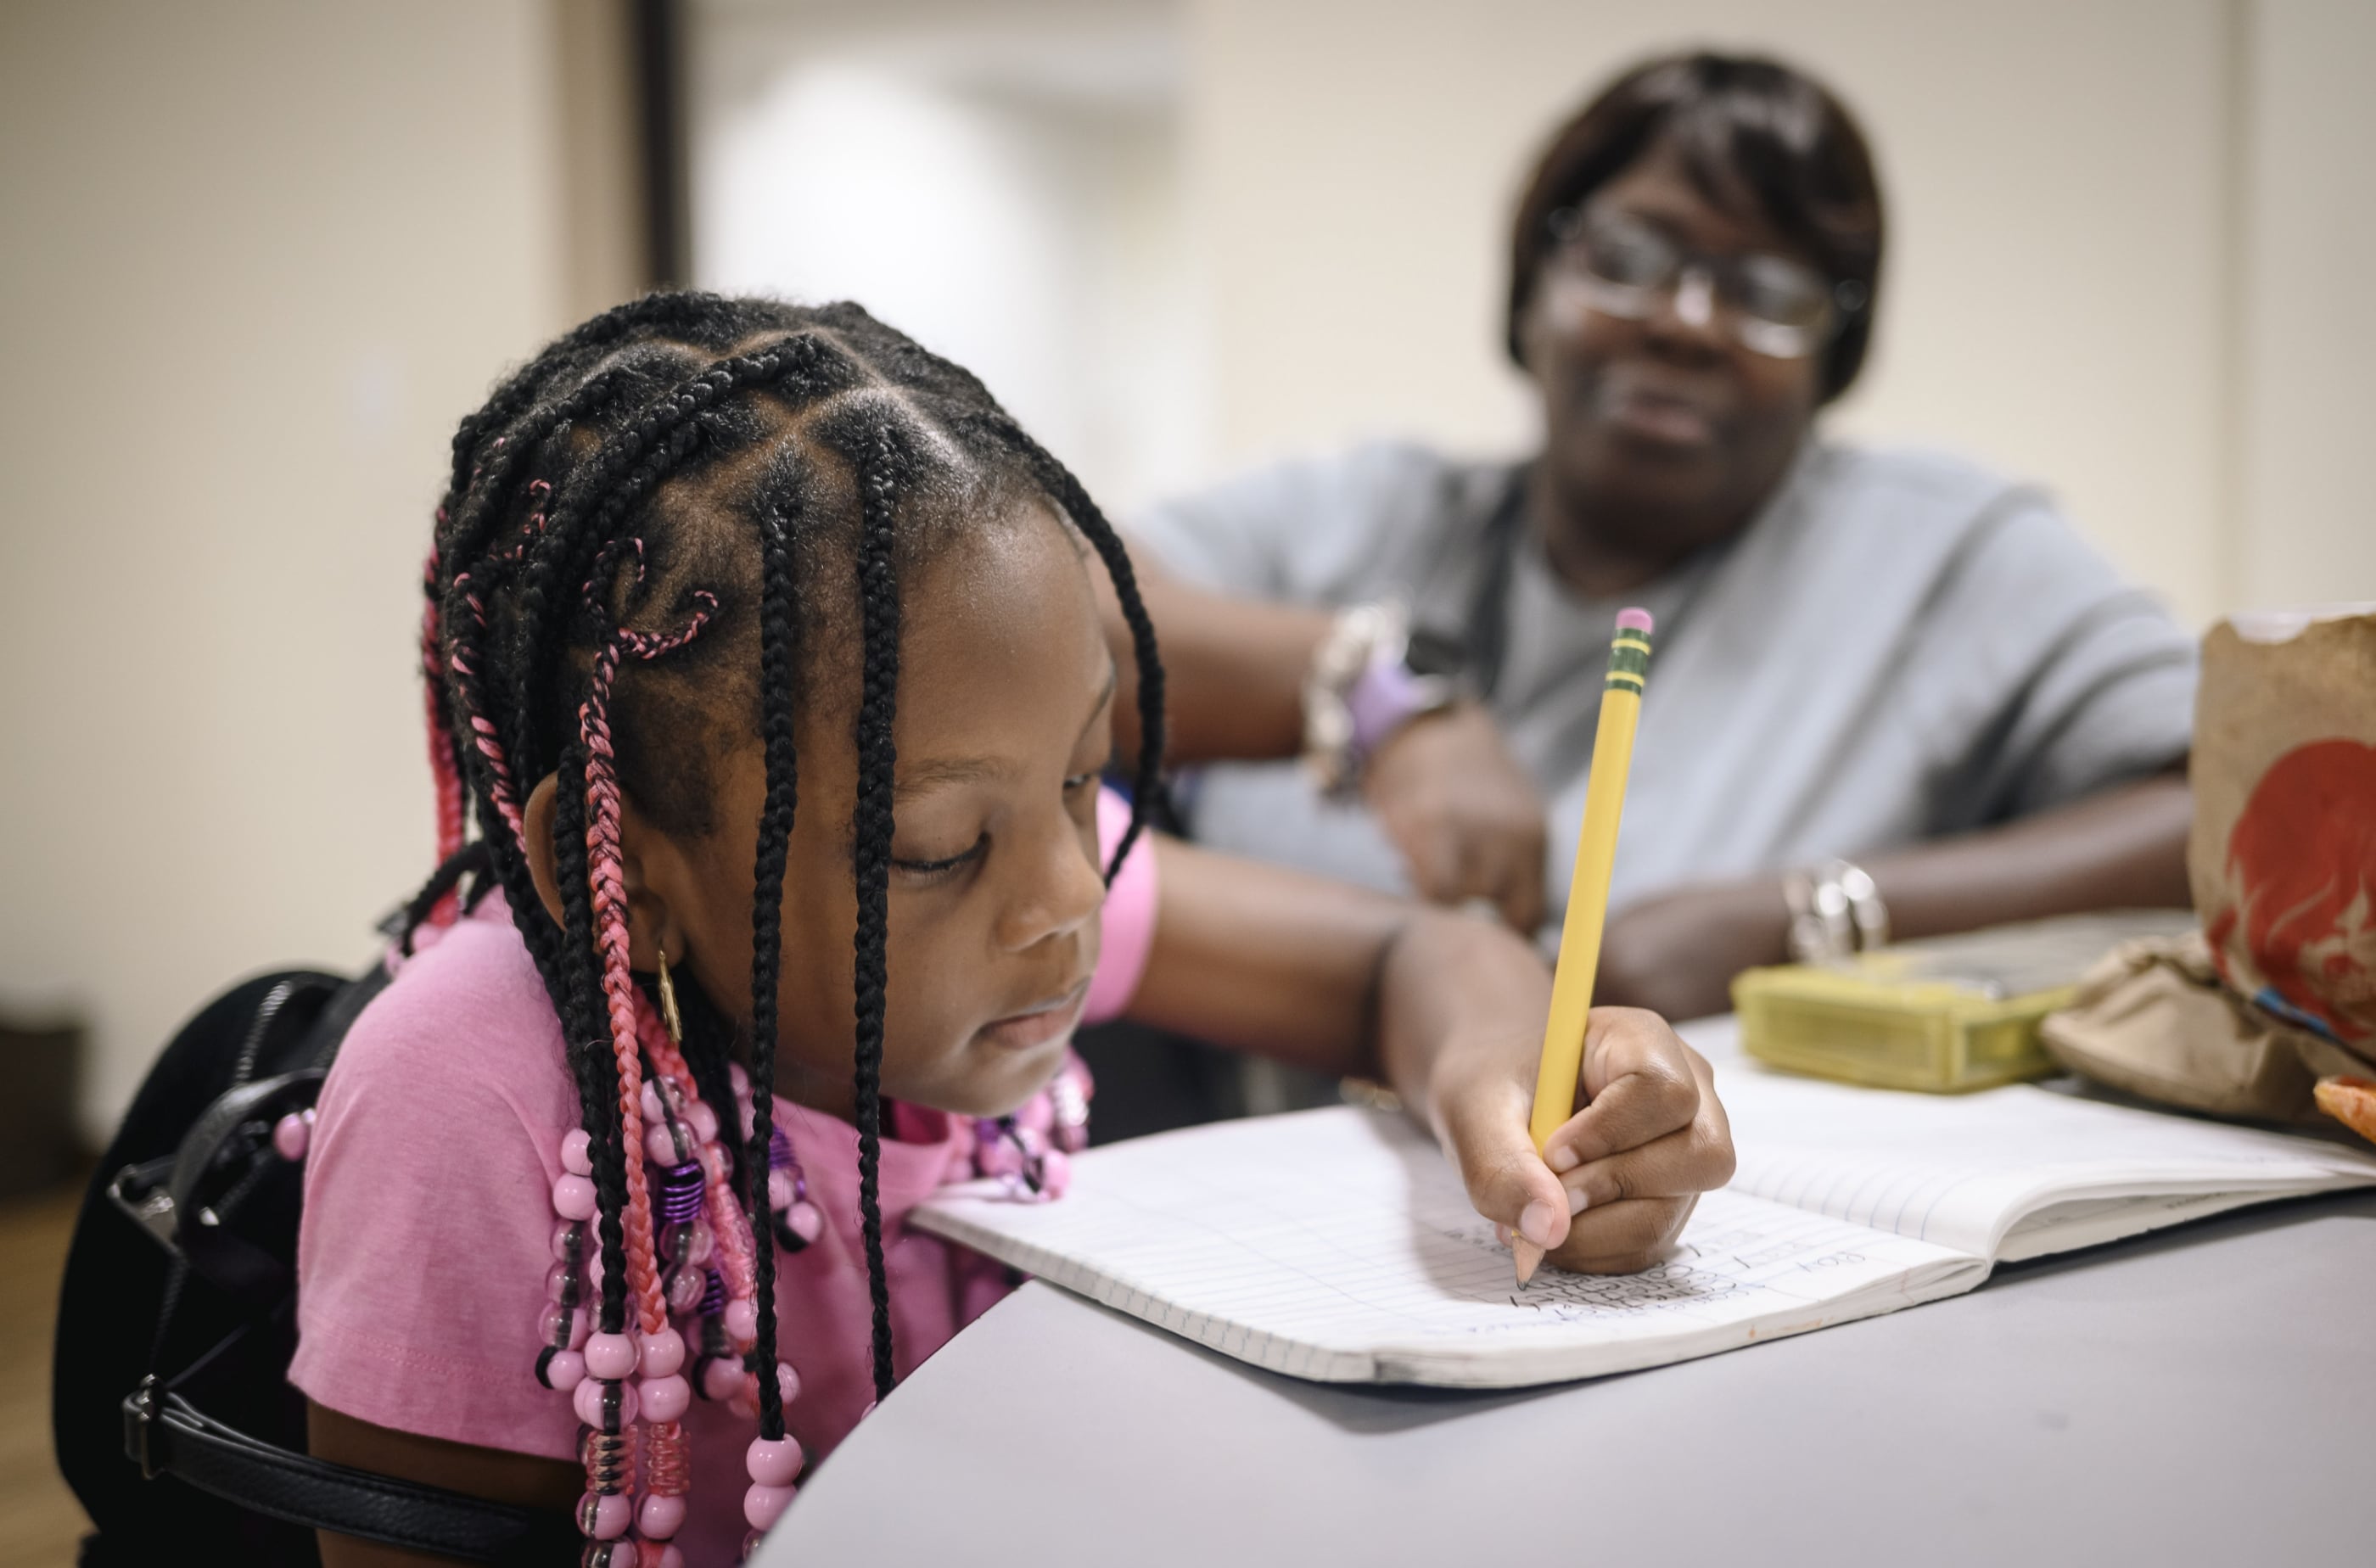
(2279, 991)
(2283, 856)
(2153, 1018)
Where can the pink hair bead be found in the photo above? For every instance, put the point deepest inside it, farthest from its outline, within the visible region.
(763, 1505)
(559, 1321)
(1039, 1113)
(604, 1516)
(1055, 1173)
(587, 1402)
(573, 1197)
(703, 1120)
(660, 1144)
(721, 1379)
(610, 1357)
(661, 1355)
(289, 1136)
(619, 1554)
(661, 1516)
(738, 1077)
(568, 1241)
(578, 1153)
(701, 1244)
(684, 1289)
(776, 1463)
(565, 1370)
(779, 1189)
(653, 1109)
(665, 1398)
(805, 1221)
(742, 1319)
(1001, 1157)
(746, 1402)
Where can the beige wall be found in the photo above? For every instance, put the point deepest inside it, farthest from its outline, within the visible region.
(2306, 320)
(260, 259)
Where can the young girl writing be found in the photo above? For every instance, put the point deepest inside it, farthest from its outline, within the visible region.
(762, 648)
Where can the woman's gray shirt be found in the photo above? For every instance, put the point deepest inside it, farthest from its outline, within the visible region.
(1901, 646)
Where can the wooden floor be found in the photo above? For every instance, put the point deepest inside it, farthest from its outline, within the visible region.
(43, 1521)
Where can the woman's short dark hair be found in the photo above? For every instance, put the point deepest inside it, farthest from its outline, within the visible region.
(1740, 123)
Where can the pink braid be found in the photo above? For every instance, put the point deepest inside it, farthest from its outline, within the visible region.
(609, 892)
(610, 897)
(448, 782)
(482, 729)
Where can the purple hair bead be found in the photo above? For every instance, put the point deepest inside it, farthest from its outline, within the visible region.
(681, 1193)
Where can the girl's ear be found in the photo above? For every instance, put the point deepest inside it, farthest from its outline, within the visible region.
(656, 871)
(536, 825)
(662, 878)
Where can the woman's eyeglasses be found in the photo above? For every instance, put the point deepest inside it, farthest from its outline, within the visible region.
(1769, 304)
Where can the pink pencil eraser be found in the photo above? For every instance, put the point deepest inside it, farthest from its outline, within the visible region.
(1635, 620)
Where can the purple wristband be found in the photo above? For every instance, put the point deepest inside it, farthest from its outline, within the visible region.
(1385, 695)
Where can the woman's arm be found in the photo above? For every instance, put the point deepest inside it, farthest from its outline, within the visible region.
(458, 1466)
(1449, 1010)
(1233, 669)
(2122, 848)
(1444, 787)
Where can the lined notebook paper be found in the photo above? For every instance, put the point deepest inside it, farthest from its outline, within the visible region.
(1338, 1245)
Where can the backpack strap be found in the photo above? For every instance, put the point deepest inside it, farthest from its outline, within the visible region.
(167, 1435)
(164, 1431)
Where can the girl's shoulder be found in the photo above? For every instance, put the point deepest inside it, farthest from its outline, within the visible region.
(464, 1034)
(428, 1205)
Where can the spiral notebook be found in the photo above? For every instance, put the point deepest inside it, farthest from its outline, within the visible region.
(1337, 1245)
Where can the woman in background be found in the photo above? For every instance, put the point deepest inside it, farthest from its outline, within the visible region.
(1893, 692)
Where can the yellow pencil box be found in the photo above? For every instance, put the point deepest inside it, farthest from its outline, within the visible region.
(1945, 1014)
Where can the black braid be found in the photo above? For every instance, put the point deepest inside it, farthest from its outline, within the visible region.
(878, 599)
(1147, 796)
(520, 389)
(1147, 788)
(470, 860)
(710, 1052)
(777, 607)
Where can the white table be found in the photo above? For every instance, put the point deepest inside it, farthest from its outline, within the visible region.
(2201, 1395)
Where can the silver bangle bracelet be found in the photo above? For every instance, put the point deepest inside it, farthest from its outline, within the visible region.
(1836, 910)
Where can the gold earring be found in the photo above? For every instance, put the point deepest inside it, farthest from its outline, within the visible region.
(669, 1016)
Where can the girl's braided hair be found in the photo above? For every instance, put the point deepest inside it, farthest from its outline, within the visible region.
(674, 482)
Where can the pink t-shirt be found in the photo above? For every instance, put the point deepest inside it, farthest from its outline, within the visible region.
(428, 1221)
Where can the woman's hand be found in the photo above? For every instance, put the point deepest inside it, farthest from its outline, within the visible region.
(1461, 1020)
(1464, 814)
(1675, 953)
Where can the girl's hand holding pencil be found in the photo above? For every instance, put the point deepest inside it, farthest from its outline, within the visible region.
(1605, 1189)
(1461, 1009)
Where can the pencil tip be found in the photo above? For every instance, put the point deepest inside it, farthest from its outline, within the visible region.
(1530, 1257)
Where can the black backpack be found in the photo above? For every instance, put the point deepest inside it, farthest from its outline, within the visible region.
(174, 1419)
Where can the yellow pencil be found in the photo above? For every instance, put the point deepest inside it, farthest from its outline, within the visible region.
(1587, 894)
